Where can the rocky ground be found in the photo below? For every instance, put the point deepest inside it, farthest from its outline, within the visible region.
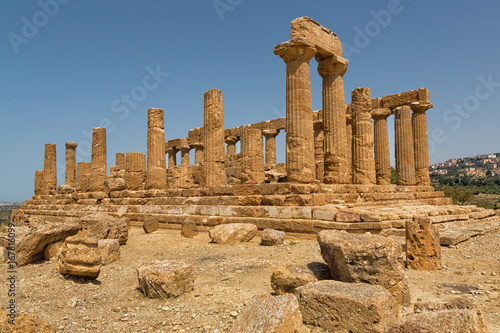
(227, 277)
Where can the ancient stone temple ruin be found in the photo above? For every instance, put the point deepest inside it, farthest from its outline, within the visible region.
(337, 173)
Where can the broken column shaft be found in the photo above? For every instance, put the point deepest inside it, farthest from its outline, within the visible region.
(49, 168)
(70, 163)
(98, 163)
(213, 139)
(156, 175)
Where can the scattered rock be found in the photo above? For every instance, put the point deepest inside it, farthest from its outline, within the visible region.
(53, 250)
(470, 321)
(165, 279)
(189, 229)
(270, 314)
(32, 244)
(24, 323)
(233, 233)
(423, 249)
(109, 250)
(150, 225)
(105, 226)
(80, 257)
(347, 307)
(287, 279)
(270, 237)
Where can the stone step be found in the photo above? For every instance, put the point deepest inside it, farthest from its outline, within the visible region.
(454, 236)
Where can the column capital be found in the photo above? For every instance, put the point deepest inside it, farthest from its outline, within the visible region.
(183, 148)
(381, 113)
(170, 150)
(420, 106)
(270, 133)
(297, 48)
(231, 140)
(71, 145)
(331, 65)
(198, 145)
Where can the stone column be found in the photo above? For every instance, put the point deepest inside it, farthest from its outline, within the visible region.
(83, 171)
(184, 154)
(270, 135)
(198, 152)
(135, 171)
(156, 175)
(421, 144)
(349, 141)
(332, 70)
(405, 156)
(38, 182)
(252, 157)
(363, 162)
(120, 161)
(213, 138)
(300, 164)
(382, 150)
(98, 163)
(70, 163)
(172, 157)
(231, 144)
(49, 168)
(319, 154)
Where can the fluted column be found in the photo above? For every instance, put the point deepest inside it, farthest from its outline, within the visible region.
(270, 135)
(120, 161)
(363, 170)
(135, 171)
(348, 130)
(198, 152)
(49, 168)
(184, 154)
(156, 175)
(70, 163)
(405, 156)
(319, 153)
(213, 138)
(300, 164)
(332, 70)
(252, 154)
(38, 182)
(421, 143)
(98, 163)
(172, 157)
(231, 144)
(83, 171)
(382, 149)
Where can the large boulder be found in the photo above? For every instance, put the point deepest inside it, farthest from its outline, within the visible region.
(106, 226)
(270, 314)
(233, 233)
(23, 323)
(347, 307)
(287, 279)
(165, 279)
(423, 248)
(32, 244)
(270, 237)
(364, 258)
(80, 257)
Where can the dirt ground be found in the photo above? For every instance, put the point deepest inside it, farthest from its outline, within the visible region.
(227, 277)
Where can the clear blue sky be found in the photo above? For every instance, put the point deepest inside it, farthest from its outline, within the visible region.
(65, 69)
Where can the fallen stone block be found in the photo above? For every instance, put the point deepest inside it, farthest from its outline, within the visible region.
(189, 229)
(109, 250)
(458, 235)
(115, 184)
(233, 233)
(24, 323)
(347, 307)
(53, 250)
(270, 237)
(80, 257)
(423, 249)
(270, 314)
(288, 279)
(150, 225)
(469, 321)
(105, 226)
(165, 279)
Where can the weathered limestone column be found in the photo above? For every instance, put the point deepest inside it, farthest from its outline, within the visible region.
(213, 138)
(252, 157)
(70, 163)
(83, 171)
(319, 154)
(120, 161)
(172, 157)
(332, 70)
(231, 144)
(270, 135)
(348, 129)
(156, 175)
(184, 154)
(198, 152)
(300, 164)
(38, 182)
(49, 168)
(98, 163)
(421, 143)
(382, 150)
(405, 156)
(363, 162)
(135, 171)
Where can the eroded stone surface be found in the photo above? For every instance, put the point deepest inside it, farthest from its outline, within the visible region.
(24, 323)
(288, 279)
(233, 233)
(270, 237)
(165, 279)
(423, 248)
(80, 257)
